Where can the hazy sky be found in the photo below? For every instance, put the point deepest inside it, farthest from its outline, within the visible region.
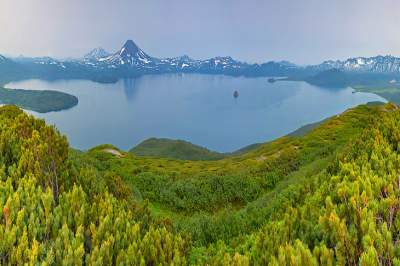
(302, 31)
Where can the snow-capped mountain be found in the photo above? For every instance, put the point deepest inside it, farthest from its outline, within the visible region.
(45, 61)
(131, 58)
(96, 54)
(180, 62)
(129, 55)
(378, 64)
(131, 61)
(222, 63)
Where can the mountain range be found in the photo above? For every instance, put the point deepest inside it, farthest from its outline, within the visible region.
(131, 61)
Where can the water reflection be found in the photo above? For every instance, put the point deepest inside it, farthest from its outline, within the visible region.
(131, 87)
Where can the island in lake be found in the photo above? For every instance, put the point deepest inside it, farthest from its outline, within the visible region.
(41, 101)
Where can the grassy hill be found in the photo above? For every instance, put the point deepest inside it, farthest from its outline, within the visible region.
(301, 131)
(184, 150)
(175, 149)
(326, 197)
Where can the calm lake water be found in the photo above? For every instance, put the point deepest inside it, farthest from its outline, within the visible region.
(193, 107)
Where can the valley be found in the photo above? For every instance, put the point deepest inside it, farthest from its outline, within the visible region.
(199, 133)
(236, 210)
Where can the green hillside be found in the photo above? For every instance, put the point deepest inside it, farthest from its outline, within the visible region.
(327, 197)
(184, 150)
(175, 149)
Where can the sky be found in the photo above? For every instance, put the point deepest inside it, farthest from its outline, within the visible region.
(301, 31)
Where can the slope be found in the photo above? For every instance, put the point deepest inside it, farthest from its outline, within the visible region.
(329, 197)
(174, 149)
(221, 200)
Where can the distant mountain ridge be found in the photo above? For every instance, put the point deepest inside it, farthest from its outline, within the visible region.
(96, 54)
(131, 61)
(376, 64)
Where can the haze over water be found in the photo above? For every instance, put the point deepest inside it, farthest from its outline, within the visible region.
(193, 107)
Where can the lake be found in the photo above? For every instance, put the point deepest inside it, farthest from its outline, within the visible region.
(193, 107)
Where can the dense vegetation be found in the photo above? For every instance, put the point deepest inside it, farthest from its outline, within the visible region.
(55, 214)
(39, 101)
(330, 197)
